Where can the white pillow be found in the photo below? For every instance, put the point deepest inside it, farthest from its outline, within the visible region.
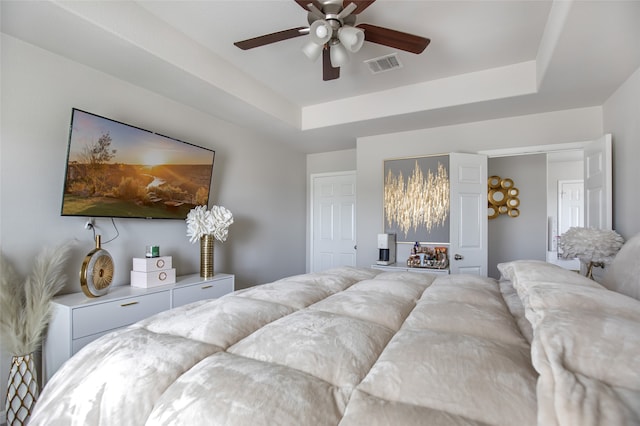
(519, 271)
(623, 274)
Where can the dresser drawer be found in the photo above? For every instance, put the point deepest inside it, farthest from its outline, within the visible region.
(80, 343)
(202, 291)
(119, 313)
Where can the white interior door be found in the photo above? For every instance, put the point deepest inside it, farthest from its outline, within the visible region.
(468, 252)
(333, 220)
(570, 204)
(598, 188)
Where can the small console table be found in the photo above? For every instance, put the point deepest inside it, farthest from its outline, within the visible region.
(77, 320)
(402, 268)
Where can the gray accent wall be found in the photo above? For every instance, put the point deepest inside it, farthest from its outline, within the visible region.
(522, 237)
(523, 131)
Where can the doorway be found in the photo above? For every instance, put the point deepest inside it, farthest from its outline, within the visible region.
(333, 220)
(523, 236)
(599, 203)
(565, 171)
(570, 204)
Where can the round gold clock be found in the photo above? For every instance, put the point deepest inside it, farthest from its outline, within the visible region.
(96, 273)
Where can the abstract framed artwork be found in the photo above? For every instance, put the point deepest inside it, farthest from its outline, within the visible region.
(416, 199)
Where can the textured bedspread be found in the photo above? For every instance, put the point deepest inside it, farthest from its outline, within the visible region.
(586, 346)
(349, 347)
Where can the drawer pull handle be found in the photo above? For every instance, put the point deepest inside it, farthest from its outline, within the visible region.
(129, 304)
(206, 287)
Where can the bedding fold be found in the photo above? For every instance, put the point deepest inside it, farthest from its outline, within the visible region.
(586, 346)
(348, 346)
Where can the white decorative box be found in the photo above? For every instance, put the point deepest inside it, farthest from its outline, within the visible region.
(150, 264)
(153, 279)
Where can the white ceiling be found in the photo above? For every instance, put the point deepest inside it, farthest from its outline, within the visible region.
(487, 59)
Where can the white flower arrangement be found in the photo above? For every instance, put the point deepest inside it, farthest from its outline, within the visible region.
(201, 221)
(590, 244)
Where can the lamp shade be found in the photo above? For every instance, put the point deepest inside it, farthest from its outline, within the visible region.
(312, 50)
(590, 244)
(352, 38)
(320, 31)
(338, 55)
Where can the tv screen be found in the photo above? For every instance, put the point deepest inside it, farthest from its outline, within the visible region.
(118, 170)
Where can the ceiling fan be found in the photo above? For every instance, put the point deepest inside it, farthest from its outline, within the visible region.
(333, 32)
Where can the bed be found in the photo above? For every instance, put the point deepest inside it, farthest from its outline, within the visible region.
(352, 346)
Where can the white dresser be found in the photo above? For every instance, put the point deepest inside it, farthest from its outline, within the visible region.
(78, 320)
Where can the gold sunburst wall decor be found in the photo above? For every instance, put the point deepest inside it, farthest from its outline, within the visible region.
(416, 198)
(502, 197)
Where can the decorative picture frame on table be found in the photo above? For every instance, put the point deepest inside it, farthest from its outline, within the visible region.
(416, 198)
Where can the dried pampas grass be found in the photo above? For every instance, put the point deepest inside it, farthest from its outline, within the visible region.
(25, 304)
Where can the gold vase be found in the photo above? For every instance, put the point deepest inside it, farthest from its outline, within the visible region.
(22, 390)
(206, 255)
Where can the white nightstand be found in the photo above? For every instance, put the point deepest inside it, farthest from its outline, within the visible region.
(78, 320)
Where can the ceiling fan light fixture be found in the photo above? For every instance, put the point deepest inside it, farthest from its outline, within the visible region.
(320, 32)
(333, 34)
(338, 55)
(312, 50)
(352, 38)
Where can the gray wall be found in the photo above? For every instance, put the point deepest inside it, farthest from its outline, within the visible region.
(38, 91)
(522, 237)
(622, 120)
(329, 162)
(522, 131)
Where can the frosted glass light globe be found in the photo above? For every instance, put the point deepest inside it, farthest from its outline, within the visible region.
(321, 31)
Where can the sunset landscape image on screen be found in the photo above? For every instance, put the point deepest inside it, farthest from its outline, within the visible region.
(116, 170)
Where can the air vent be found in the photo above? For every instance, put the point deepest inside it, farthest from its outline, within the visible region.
(383, 63)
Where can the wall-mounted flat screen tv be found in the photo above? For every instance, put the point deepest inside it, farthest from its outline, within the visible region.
(117, 170)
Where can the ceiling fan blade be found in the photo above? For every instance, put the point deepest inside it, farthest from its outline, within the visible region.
(305, 3)
(328, 71)
(315, 11)
(347, 10)
(361, 5)
(271, 38)
(392, 38)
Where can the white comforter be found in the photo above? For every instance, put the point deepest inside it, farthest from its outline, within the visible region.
(586, 346)
(349, 347)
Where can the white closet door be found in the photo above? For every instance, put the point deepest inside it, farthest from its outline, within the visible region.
(468, 251)
(333, 219)
(598, 188)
